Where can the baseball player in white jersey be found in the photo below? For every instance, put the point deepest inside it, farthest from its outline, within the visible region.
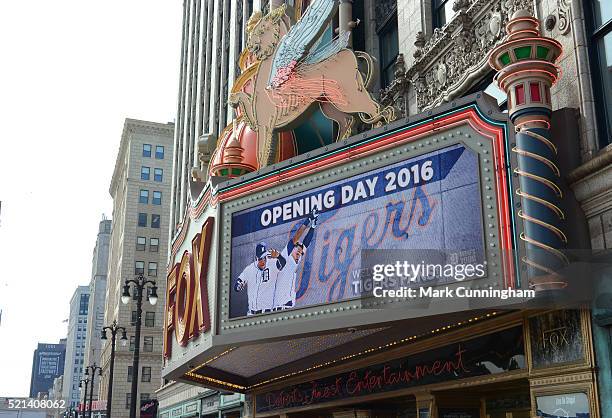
(259, 278)
(284, 294)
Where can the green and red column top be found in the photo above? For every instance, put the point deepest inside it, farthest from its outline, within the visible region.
(526, 65)
(527, 69)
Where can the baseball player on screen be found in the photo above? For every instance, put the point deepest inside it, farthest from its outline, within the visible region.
(259, 277)
(284, 294)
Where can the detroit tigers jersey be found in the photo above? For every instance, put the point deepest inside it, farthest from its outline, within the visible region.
(285, 282)
(260, 284)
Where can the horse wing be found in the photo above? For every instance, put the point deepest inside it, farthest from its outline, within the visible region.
(300, 38)
(331, 48)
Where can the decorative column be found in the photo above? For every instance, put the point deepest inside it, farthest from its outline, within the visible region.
(206, 147)
(526, 71)
(345, 19)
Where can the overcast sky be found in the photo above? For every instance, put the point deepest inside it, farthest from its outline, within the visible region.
(71, 71)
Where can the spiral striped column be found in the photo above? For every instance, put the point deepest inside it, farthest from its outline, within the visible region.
(526, 65)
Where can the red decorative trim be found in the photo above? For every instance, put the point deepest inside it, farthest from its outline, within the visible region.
(534, 92)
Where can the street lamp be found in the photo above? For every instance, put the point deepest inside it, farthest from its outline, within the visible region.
(70, 413)
(139, 286)
(81, 383)
(113, 328)
(93, 369)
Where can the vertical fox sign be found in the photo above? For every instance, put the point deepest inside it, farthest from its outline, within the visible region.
(187, 307)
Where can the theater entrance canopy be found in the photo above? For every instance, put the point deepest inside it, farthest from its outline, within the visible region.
(273, 274)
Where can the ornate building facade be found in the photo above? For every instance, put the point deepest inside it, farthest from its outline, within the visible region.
(261, 158)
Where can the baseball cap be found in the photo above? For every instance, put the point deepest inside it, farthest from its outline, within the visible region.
(261, 250)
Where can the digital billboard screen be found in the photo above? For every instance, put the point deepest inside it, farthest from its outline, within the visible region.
(305, 249)
(48, 364)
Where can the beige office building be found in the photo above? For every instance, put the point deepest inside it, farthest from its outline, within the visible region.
(140, 188)
(97, 295)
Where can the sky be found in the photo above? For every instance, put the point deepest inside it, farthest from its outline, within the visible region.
(71, 71)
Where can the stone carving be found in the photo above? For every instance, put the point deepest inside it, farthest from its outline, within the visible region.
(455, 56)
(563, 7)
(395, 94)
(206, 147)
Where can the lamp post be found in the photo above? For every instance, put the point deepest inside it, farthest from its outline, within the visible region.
(70, 413)
(84, 409)
(113, 328)
(93, 369)
(140, 284)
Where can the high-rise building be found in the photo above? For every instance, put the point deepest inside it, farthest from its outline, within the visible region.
(209, 67)
(75, 345)
(140, 188)
(47, 364)
(97, 297)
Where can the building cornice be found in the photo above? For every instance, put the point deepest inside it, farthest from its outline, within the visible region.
(591, 183)
(136, 126)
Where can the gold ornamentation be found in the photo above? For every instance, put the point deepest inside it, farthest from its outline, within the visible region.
(284, 93)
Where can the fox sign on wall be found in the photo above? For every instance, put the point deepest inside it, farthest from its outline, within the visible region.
(187, 307)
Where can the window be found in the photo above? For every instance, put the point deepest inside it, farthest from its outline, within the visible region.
(146, 150)
(157, 198)
(601, 56)
(145, 173)
(130, 373)
(152, 269)
(145, 396)
(83, 304)
(148, 344)
(154, 245)
(139, 267)
(133, 318)
(128, 399)
(141, 243)
(155, 221)
(442, 12)
(158, 174)
(144, 196)
(146, 375)
(389, 49)
(159, 152)
(132, 343)
(150, 319)
(142, 219)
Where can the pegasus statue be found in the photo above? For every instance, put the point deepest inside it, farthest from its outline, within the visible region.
(295, 72)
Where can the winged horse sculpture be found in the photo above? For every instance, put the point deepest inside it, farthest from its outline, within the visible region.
(295, 72)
